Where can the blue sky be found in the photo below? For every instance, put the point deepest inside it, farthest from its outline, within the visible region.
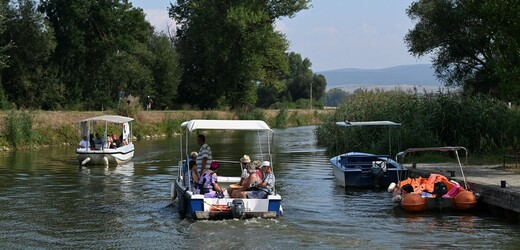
(334, 34)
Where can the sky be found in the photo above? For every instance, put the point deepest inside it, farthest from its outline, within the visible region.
(334, 34)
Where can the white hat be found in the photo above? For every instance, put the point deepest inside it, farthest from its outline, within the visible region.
(266, 164)
(245, 159)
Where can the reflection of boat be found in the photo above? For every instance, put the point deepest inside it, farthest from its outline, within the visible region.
(99, 153)
(356, 169)
(436, 192)
(199, 207)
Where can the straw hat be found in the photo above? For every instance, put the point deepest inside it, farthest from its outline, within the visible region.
(245, 159)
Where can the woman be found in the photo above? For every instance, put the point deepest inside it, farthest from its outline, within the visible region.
(208, 182)
(249, 184)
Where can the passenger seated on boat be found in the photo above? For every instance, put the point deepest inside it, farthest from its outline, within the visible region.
(108, 142)
(264, 188)
(83, 143)
(244, 161)
(194, 173)
(258, 167)
(115, 141)
(249, 184)
(91, 142)
(98, 142)
(208, 182)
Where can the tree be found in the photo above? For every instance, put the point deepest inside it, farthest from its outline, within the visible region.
(474, 44)
(91, 36)
(334, 97)
(227, 48)
(301, 78)
(30, 79)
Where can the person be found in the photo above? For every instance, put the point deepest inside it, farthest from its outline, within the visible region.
(204, 157)
(125, 133)
(250, 183)
(149, 103)
(115, 141)
(193, 175)
(98, 142)
(109, 142)
(91, 142)
(266, 186)
(244, 161)
(258, 167)
(83, 143)
(208, 182)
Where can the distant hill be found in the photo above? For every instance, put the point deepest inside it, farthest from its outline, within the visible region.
(405, 76)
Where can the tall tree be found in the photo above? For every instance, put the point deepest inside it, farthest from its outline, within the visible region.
(30, 80)
(301, 79)
(227, 48)
(91, 36)
(474, 44)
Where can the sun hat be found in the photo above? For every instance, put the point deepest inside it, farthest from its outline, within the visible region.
(266, 164)
(245, 159)
(214, 165)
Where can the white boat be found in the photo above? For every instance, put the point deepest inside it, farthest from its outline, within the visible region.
(196, 205)
(100, 153)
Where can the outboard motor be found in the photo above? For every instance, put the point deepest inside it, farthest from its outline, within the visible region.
(238, 209)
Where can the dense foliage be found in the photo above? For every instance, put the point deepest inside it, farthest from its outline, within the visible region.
(453, 119)
(473, 43)
(228, 48)
(81, 54)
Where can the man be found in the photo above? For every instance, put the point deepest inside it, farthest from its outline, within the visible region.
(204, 158)
(265, 187)
(83, 143)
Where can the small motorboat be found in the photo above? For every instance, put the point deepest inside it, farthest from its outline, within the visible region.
(197, 206)
(436, 192)
(99, 153)
(357, 169)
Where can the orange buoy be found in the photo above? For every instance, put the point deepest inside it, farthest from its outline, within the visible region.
(464, 200)
(413, 203)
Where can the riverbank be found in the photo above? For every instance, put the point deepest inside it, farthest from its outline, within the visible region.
(61, 127)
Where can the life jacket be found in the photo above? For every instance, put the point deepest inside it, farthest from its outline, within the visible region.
(429, 185)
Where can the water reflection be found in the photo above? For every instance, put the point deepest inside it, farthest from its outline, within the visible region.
(47, 201)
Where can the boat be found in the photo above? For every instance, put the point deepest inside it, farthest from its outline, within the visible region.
(436, 192)
(100, 153)
(366, 170)
(196, 206)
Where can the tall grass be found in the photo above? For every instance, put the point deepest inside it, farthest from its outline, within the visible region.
(18, 129)
(477, 123)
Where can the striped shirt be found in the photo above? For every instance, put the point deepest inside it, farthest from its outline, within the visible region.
(204, 152)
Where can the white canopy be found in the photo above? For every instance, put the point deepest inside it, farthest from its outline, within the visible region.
(109, 118)
(251, 125)
(370, 123)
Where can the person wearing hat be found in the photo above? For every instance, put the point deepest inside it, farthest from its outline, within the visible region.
(208, 182)
(266, 186)
(204, 156)
(244, 162)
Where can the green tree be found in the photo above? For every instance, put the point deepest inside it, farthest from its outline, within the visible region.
(30, 80)
(301, 79)
(334, 97)
(227, 48)
(474, 44)
(93, 35)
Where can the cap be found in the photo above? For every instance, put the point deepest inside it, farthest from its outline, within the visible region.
(266, 164)
(245, 159)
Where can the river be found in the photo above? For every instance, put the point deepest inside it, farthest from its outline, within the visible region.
(47, 201)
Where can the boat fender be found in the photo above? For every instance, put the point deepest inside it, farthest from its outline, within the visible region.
(85, 161)
(397, 198)
(105, 160)
(391, 187)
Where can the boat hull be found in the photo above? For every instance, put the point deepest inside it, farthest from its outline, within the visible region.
(200, 208)
(105, 156)
(356, 169)
(456, 198)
